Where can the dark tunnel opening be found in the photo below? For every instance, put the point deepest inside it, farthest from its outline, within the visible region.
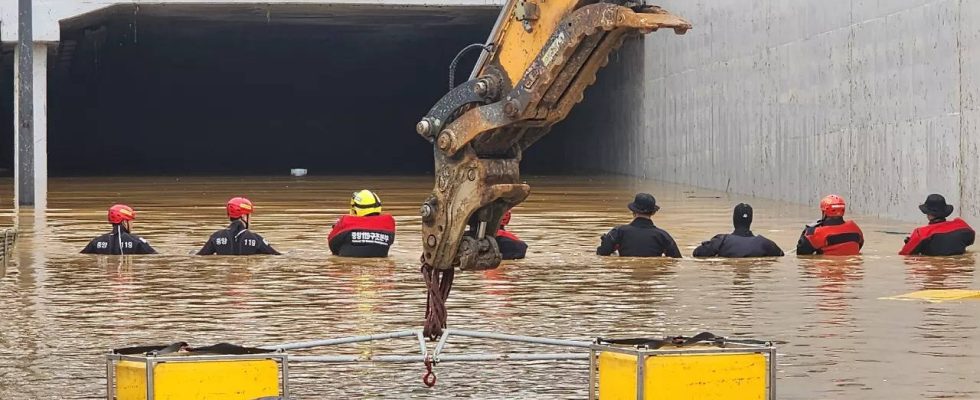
(244, 90)
(7, 109)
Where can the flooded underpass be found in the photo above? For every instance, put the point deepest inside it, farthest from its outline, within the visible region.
(61, 310)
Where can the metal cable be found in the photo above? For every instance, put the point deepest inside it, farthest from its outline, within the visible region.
(452, 66)
(439, 283)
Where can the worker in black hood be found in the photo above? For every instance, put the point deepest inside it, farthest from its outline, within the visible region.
(641, 238)
(741, 242)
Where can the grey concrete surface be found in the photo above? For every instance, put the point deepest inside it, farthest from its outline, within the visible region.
(795, 99)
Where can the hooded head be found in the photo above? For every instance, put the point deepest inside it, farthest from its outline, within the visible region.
(742, 216)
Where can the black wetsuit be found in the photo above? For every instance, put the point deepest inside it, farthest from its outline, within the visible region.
(740, 243)
(511, 247)
(236, 239)
(641, 238)
(119, 241)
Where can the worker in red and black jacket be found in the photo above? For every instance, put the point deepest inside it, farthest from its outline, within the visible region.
(831, 235)
(366, 232)
(511, 247)
(940, 237)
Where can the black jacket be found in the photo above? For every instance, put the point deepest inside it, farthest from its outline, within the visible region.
(638, 239)
(740, 243)
(511, 247)
(117, 242)
(236, 239)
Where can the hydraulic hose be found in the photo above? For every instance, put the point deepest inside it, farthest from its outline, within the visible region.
(452, 66)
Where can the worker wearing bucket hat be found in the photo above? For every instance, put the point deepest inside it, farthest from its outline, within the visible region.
(640, 238)
(940, 237)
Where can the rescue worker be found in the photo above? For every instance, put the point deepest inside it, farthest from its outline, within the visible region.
(366, 232)
(640, 238)
(236, 239)
(831, 235)
(940, 237)
(741, 242)
(511, 247)
(120, 241)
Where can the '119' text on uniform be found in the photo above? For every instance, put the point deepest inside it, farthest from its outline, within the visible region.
(118, 242)
(235, 240)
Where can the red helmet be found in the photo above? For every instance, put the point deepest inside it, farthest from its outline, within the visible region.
(121, 212)
(505, 219)
(833, 206)
(238, 206)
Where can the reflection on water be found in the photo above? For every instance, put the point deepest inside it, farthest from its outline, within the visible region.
(59, 310)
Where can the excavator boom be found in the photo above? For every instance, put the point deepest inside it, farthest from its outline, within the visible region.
(539, 59)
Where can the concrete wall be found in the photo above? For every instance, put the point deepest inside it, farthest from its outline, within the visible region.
(878, 100)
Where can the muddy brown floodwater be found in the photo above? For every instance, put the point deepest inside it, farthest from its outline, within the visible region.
(60, 310)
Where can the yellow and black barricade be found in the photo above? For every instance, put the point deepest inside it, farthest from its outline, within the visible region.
(702, 367)
(177, 371)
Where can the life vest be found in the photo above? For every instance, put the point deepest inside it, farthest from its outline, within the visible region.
(362, 236)
(376, 223)
(837, 240)
(505, 234)
(940, 239)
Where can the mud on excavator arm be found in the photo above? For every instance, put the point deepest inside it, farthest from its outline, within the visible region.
(542, 56)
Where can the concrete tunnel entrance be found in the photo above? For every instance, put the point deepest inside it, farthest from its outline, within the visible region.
(258, 89)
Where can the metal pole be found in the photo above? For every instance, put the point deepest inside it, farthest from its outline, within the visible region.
(592, 373)
(441, 345)
(344, 340)
(517, 338)
(445, 358)
(772, 373)
(110, 377)
(285, 375)
(641, 360)
(25, 101)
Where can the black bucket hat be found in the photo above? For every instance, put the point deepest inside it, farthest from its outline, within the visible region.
(936, 206)
(644, 203)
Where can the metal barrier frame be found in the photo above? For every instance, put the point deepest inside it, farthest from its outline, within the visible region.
(151, 361)
(641, 354)
(437, 354)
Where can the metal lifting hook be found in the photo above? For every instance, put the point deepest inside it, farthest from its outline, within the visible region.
(429, 377)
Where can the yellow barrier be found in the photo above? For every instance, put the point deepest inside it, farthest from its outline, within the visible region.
(697, 372)
(190, 377)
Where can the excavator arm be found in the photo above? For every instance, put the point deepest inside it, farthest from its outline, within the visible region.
(539, 59)
(542, 56)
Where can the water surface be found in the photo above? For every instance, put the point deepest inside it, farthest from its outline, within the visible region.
(60, 311)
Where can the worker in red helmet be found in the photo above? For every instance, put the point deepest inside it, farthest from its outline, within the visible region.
(831, 235)
(940, 237)
(120, 241)
(236, 239)
(511, 247)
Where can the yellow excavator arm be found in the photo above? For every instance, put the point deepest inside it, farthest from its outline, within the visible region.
(538, 61)
(542, 55)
